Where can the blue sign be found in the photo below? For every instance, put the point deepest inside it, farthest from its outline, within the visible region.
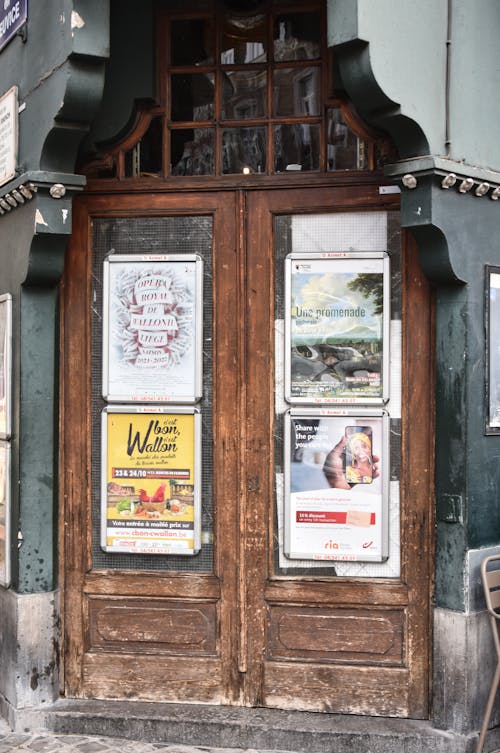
(13, 14)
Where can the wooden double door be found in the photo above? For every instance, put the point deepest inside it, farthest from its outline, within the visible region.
(237, 626)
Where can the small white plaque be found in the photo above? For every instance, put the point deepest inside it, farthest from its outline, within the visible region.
(8, 135)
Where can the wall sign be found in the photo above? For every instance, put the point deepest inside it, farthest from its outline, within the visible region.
(4, 513)
(337, 328)
(8, 135)
(5, 365)
(336, 485)
(152, 344)
(151, 471)
(492, 294)
(13, 14)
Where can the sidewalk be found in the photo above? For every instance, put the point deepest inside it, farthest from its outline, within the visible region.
(54, 743)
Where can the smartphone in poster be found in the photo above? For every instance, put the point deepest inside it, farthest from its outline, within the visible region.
(151, 480)
(336, 485)
(152, 339)
(337, 328)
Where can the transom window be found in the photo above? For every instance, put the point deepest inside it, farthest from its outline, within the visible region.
(244, 87)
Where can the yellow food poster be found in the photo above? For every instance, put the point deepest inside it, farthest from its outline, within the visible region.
(150, 488)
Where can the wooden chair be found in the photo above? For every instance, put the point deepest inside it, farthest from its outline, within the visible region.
(490, 576)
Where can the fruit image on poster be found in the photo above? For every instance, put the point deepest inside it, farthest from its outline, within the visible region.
(337, 328)
(150, 488)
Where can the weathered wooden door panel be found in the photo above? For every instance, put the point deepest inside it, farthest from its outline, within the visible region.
(158, 635)
(244, 633)
(355, 645)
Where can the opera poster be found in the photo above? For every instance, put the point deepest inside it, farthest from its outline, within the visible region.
(150, 481)
(153, 312)
(336, 486)
(4, 513)
(337, 328)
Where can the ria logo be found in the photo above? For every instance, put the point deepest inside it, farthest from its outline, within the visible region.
(330, 544)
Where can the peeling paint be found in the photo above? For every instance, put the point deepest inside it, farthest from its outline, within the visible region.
(77, 21)
(39, 218)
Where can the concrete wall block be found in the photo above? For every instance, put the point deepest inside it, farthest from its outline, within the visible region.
(29, 648)
(464, 663)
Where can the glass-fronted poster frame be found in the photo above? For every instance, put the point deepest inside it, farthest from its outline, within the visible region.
(336, 485)
(4, 513)
(492, 295)
(5, 365)
(153, 322)
(151, 480)
(337, 320)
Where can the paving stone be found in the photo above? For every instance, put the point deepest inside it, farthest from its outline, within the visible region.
(11, 742)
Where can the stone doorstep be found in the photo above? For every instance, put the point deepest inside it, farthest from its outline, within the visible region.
(245, 728)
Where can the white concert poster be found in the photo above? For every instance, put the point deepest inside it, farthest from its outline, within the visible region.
(152, 338)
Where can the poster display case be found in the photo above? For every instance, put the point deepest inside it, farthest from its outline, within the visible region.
(5, 365)
(336, 484)
(151, 480)
(152, 329)
(337, 328)
(492, 295)
(4, 513)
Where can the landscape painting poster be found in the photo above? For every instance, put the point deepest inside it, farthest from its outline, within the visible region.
(336, 485)
(150, 501)
(337, 328)
(152, 339)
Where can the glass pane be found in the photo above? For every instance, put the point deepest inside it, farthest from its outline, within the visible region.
(297, 36)
(345, 150)
(296, 147)
(296, 91)
(244, 94)
(152, 235)
(243, 149)
(243, 40)
(145, 158)
(355, 231)
(192, 42)
(192, 151)
(192, 96)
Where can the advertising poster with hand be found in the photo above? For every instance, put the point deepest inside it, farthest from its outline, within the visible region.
(336, 485)
(150, 481)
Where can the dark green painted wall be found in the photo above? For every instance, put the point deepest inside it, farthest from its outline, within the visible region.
(59, 72)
